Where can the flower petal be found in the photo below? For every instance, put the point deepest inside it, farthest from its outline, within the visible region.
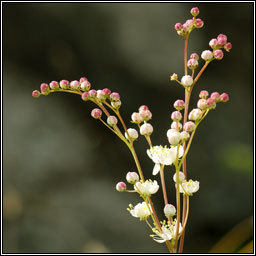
(156, 169)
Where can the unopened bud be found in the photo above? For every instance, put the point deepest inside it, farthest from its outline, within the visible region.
(45, 90)
(204, 94)
(178, 26)
(85, 96)
(184, 136)
(207, 55)
(189, 126)
(202, 104)
(228, 47)
(36, 94)
(188, 25)
(224, 97)
(106, 91)
(192, 64)
(146, 115)
(101, 96)
(112, 121)
(199, 23)
(85, 85)
(114, 96)
(54, 85)
(75, 85)
(136, 118)
(146, 129)
(133, 134)
(121, 186)
(92, 93)
(82, 79)
(213, 43)
(174, 77)
(169, 210)
(194, 11)
(64, 84)
(116, 104)
(143, 108)
(132, 177)
(194, 56)
(96, 113)
(195, 114)
(173, 137)
(218, 54)
(187, 80)
(179, 104)
(211, 103)
(176, 116)
(215, 96)
(222, 39)
(181, 177)
(176, 126)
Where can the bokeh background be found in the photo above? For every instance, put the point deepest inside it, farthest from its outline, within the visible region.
(60, 166)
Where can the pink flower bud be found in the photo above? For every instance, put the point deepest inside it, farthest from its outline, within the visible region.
(174, 77)
(146, 115)
(114, 96)
(181, 177)
(146, 129)
(199, 23)
(75, 85)
(64, 84)
(194, 56)
(224, 97)
(112, 121)
(116, 104)
(213, 43)
(228, 47)
(173, 137)
(202, 104)
(54, 85)
(179, 104)
(222, 39)
(192, 64)
(194, 11)
(45, 90)
(106, 91)
(176, 116)
(121, 186)
(176, 126)
(215, 96)
(184, 136)
(189, 126)
(195, 114)
(204, 94)
(188, 25)
(187, 81)
(211, 103)
(92, 93)
(36, 94)
(143, 108)
(133, 134)
(85, 85)
(82, 79)
(181, 32)
(169, 210)
(218, 54)
(85, 96)
(207, 55)
(96, 113)
(178, 26)
(101, 96)
(136, 118)
(132, 177)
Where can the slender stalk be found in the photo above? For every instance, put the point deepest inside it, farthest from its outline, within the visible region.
(185, 55)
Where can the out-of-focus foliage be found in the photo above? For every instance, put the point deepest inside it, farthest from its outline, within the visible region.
(60, 166)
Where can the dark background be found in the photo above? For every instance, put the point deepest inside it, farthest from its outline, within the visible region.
(61, 166)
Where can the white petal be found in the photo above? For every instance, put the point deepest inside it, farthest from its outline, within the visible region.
(156, 169)
(158, 239)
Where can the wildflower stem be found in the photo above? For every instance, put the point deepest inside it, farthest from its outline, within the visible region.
(200, 73)
(186, 219)
(185, 55)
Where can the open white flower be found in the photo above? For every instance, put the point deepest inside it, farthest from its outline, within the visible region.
(140, 211)
(163, 155)
(147, 188)
(189, 187)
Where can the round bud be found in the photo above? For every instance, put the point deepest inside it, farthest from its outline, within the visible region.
(228, 47)
(176, 116)
(179, 104)
(85, 85)
(204, 94)
(224, 97)
(192, 64)
(145, 115)
(218, 54)
(194, 56)
(101, 96)
(184, 136)
(211, 103)
(188, 25)
(106, 91)
(116, 104)
(202, 104)
(222, 39)
(85, 96)
(189, 126)
(96, 113)
(178, 26)
(187, 81)
(174, 77)
(114, 96)
(146, 129)
(82, 79)
(121, 186)
(143, 108)
(132, 177)
(176, 126)
(64, 84)
(195, 114)
(45, 90)
(92, 93)
(36, 94)
(169, 210)
(54, 85)
(215, 96)
(133, 134)
(207, 55)
(213, 43)
(173, 137)
(112, 121)
(199, 23)
(75, 85)
(181, 177)
(194, 11)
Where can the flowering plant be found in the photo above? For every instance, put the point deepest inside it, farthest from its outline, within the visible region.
(170, 231)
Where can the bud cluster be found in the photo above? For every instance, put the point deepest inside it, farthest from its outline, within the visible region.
(143, 115)
(186, 28)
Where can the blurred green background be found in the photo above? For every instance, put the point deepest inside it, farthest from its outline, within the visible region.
(60, 166)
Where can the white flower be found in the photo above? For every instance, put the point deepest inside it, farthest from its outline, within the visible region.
(163, 155)
(140, 211)
(147, 188)
(133, 134)
(189, 187)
